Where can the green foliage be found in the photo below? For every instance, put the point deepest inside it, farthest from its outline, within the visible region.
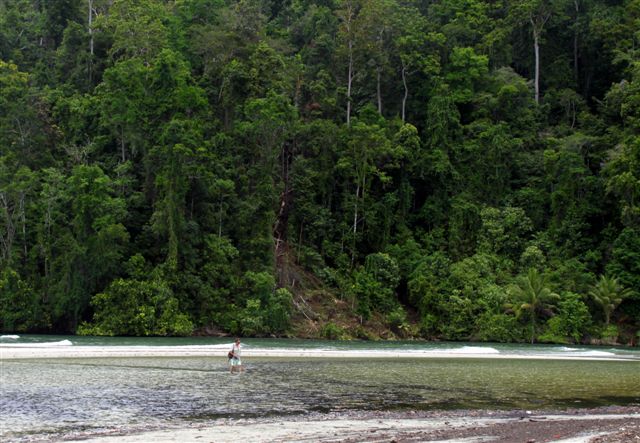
(19, 306)
(138, 29)
(331, 331)
(137, 307)
(609, 334)
(498, 327)
(20, 127)
(250, 319)
(625, 260)
(453, 297)
(397, 321)
(532, 298)
(209, 137)
(464, 223)
(267, 310)
(532, 257)
(459, 319)
(571, 322)
(504, 232)
(219, 280)
(464, 70)
(427, 278)
(608, 293)
(279, 310)
(374, 285)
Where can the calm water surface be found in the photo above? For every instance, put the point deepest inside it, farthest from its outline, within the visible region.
(58, 397)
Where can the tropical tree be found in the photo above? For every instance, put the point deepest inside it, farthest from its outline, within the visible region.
(608, 293)
(367, 155)
(139, 305)
(535, 13)
(375, 29)
(138, 28)
(267, 135)
(121, 97)
(417, 49)
(622, 169)
(348, 35)
(531, 296)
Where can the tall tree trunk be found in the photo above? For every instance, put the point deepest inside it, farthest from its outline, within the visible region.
(23, 219)
(378, 89)
(220, 217)
(6, 240)
(355, 210)
(122, 147)
(172, 226)
(282, 217)
(406, 91)
(575, 42)
(90, 27)
(536, 50)
(360, 190)
(537, 23)
(355, 225)
(90, 66)
(349, 81)
(348, 21)
(533, 326)
(48, 222)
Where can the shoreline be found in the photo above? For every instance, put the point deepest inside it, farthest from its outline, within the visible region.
(595, 425)
(31, 351)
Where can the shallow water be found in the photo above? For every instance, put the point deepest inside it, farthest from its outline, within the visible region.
(391, 347)
(60, 397)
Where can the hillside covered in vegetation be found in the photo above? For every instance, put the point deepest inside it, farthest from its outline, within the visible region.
(446, 169)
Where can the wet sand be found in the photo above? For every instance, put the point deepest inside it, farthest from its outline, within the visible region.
(33, 351)
(601, 425)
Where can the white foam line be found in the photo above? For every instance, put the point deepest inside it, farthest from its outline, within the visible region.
(213, 351)
(45, 344)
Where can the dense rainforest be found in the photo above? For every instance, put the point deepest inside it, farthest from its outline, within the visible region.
(443, 169)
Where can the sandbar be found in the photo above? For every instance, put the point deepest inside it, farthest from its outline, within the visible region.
(35, 351)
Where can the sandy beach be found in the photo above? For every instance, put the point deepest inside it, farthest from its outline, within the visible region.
(602, 425)
(66, 350)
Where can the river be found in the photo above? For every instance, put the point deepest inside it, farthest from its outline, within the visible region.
(56, 397)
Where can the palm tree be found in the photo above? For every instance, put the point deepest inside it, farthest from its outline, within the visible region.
(532, 295)
(608, 293)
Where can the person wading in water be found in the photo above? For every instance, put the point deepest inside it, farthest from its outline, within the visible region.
(235, 362)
